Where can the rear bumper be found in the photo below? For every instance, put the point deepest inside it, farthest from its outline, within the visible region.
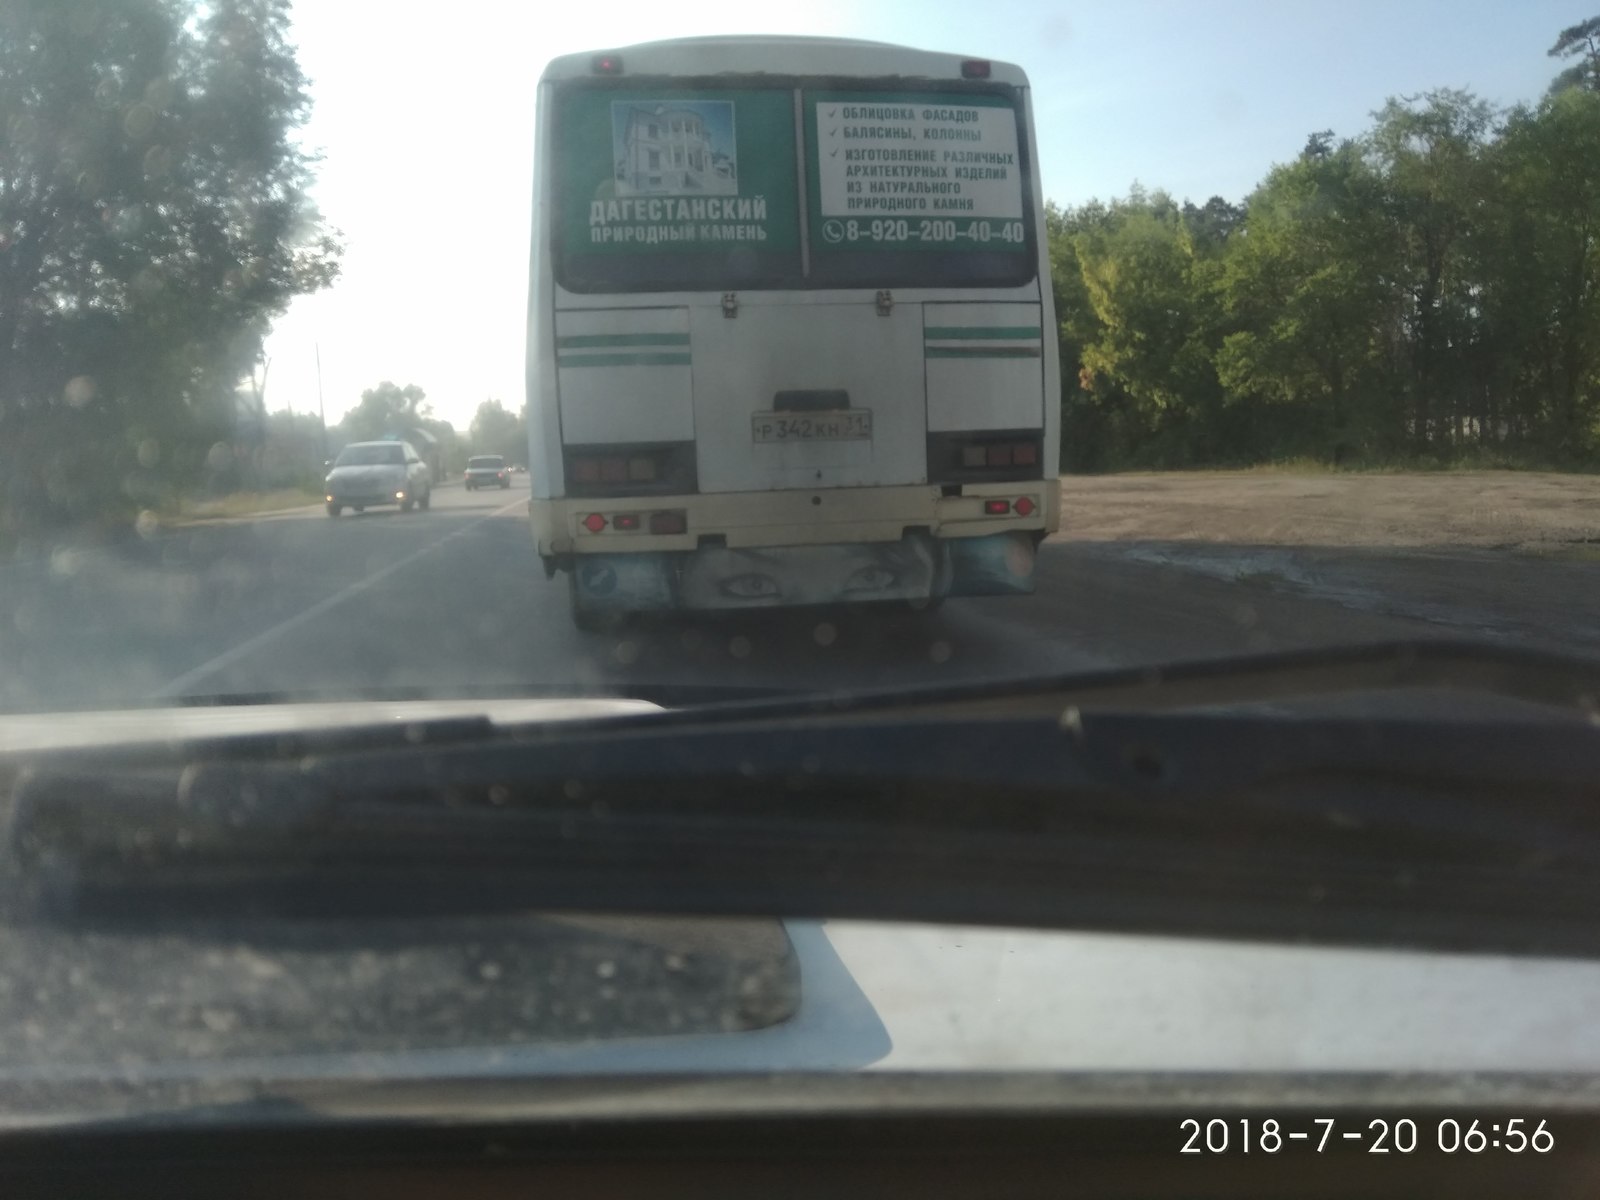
(827, 516)
(369, 500)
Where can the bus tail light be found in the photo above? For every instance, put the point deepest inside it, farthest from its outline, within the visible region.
(661, 468)
(985, 456)
(975, 68)
(594, 522)
(997, 508)
(672, 521)
(1023, 506)
(627, 522)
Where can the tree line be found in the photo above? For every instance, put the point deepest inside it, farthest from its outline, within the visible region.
(154, 218)
(1427, 291)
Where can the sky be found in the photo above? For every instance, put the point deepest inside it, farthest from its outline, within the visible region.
(423, 118)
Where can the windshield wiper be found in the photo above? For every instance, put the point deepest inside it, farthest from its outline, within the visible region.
(1372, 831)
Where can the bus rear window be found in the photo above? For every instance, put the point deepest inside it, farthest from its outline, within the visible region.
(667, 188)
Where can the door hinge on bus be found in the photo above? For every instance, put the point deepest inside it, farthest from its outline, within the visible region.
(885, 303)
(730, 305)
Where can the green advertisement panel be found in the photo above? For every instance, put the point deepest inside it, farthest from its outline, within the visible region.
(675, 171)
(908, 171)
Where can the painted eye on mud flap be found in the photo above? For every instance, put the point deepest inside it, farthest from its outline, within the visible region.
(871, 579)
(751, 586)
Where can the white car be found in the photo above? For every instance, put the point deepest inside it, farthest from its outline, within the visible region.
(367, 474)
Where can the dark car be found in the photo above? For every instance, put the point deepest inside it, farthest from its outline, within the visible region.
(487, 470)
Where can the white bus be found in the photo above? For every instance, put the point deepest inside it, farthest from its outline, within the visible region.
(790, 332)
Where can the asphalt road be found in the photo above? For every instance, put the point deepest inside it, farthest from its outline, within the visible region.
(454, 598)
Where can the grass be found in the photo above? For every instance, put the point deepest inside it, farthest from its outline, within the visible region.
(243, 504)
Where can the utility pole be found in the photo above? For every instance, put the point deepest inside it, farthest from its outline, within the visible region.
(322, 416)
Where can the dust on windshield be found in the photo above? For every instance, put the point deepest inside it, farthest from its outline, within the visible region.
(832, 364)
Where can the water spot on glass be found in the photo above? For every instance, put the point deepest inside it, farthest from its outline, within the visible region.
(1072, 722)
(690, 639)
(158, 93)
(747, 769)
(824, 634)
(606, 969)
(674, 962)
(22, 130)
(107, 92)
(572, 789)
(219, 1020)
(415, 733)
(940, 652)
(499, 794)
(489, 971)
(1245, 615)
(139, 121)
(80, 390)
(625, 653)
(811, 764)
(739, 646)
(65, 562)
(157, 162)
(149, 452)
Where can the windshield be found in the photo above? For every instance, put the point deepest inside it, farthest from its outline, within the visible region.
(578, 540)
(370, 456)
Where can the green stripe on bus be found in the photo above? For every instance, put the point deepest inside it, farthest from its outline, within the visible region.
(574, 341)
(981, 352)
(995, 333)
(622, 360)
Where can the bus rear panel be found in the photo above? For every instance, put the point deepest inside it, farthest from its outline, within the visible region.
(790, 335)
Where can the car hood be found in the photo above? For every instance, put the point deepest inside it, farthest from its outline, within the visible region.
(56, 731)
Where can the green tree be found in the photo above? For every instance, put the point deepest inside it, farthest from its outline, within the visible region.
(1312, 319)
(386, 410)
(1430, 152)
(1148, 325)
(153, 219)
(1582, 42)
(495, 430)
(1541, 295)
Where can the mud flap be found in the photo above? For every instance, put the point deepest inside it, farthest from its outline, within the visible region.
(998, 565)
(623, 582)
(719, 577)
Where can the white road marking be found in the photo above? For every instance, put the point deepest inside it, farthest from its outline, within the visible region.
(249, 646)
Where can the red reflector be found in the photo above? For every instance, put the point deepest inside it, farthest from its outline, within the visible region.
(667, 522)
(1023, 506)
(613, 470)
(586, 470)
(594, 522)
(607, 64)
(997, 508)
(1024, 454)
(999, 456)
(625, 521)
(975, 68)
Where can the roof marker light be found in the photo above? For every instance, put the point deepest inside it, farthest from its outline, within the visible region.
(975, 68)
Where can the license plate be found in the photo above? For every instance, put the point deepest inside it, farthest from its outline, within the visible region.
(839, 425)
